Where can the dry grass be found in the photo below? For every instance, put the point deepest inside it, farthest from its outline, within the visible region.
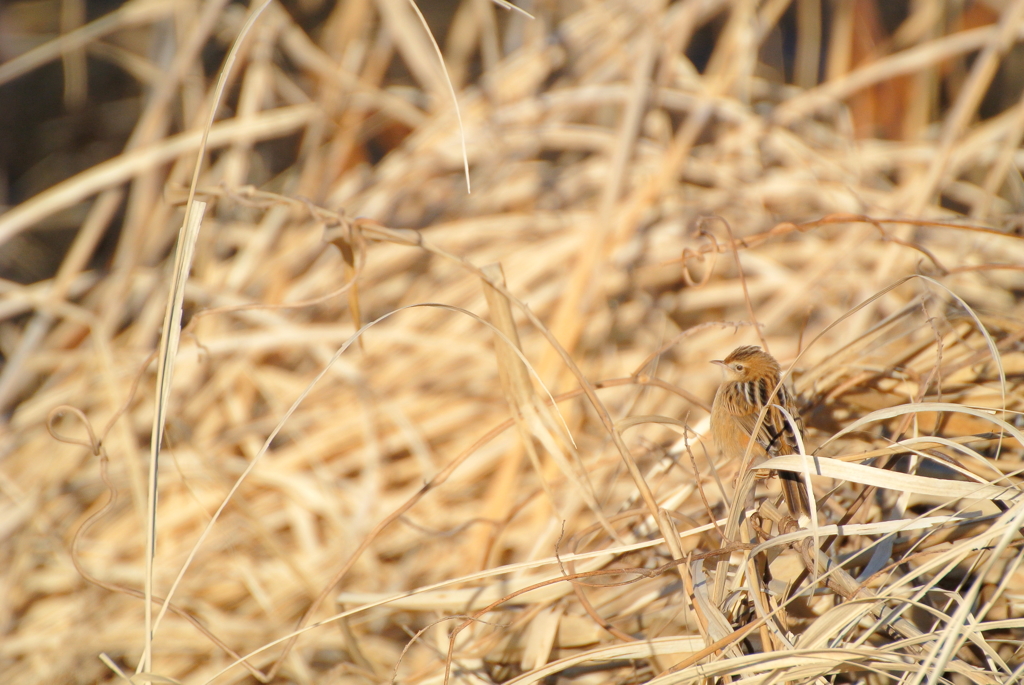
(411, 502)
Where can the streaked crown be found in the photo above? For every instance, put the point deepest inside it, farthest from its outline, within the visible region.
(749, 362)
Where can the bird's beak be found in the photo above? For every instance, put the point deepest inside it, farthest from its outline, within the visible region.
(718, 361)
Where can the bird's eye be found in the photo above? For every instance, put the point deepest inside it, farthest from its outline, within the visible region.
(738, 366)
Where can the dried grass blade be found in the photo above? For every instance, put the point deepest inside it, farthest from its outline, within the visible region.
(643, 649)
(184, 252)
(882, 478)
(451, 91)
(953, 637)
(165, 371)
(902, 409)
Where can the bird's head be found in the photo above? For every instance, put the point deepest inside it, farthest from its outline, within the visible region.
(748, 363)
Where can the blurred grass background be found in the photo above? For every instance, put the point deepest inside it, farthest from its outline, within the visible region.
(601, 137)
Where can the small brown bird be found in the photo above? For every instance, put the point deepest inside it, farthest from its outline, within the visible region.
(751, 375)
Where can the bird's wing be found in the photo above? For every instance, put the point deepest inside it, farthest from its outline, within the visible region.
(775, 435)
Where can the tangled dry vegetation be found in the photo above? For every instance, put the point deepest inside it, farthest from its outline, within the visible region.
(423, 503)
